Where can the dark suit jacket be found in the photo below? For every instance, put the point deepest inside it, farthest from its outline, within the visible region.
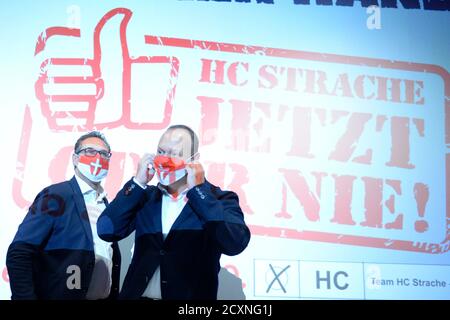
(211, 223)
(55, 236)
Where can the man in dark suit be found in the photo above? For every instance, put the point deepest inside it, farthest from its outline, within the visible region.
(183, 225)
(56, 253)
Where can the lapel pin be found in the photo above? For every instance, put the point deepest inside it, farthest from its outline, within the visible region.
(128, 190)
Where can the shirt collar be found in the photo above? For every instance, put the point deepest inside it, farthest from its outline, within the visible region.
(85, 188)
(166, 193)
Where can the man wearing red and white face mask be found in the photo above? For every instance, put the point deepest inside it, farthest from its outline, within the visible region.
(91, 163)
(56, 253)
(182, 225)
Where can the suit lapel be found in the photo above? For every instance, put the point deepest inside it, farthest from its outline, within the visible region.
(81, 208)
(154, 211)
(185, 212)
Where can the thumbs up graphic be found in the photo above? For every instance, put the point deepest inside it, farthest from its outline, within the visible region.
(86, 94)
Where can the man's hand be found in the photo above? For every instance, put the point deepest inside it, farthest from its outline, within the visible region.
(145, 170)
(195, 174)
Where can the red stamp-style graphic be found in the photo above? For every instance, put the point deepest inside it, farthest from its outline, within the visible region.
(95, 79)
(292, 179)
(5, 276)
(399, 157)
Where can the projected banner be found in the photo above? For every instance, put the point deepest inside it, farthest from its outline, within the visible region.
(336, 143)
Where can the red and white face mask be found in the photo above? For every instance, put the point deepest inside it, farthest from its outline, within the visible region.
(170, 169)
(95, 168)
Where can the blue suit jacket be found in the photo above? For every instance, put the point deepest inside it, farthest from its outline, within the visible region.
(53, 240)
(211, 223)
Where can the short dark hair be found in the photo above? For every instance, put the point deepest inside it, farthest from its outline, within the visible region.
(92, 134)
(194, 138)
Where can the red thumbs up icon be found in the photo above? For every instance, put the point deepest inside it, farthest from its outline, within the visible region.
(97, 93)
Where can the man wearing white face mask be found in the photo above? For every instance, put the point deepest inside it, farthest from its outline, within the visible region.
(183, 225)
(56, 253)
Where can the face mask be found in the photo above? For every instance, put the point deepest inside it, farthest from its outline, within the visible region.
(169, 170)
(94, 168)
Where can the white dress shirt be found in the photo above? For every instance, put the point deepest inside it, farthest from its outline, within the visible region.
(101, 280)
(171, 208)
